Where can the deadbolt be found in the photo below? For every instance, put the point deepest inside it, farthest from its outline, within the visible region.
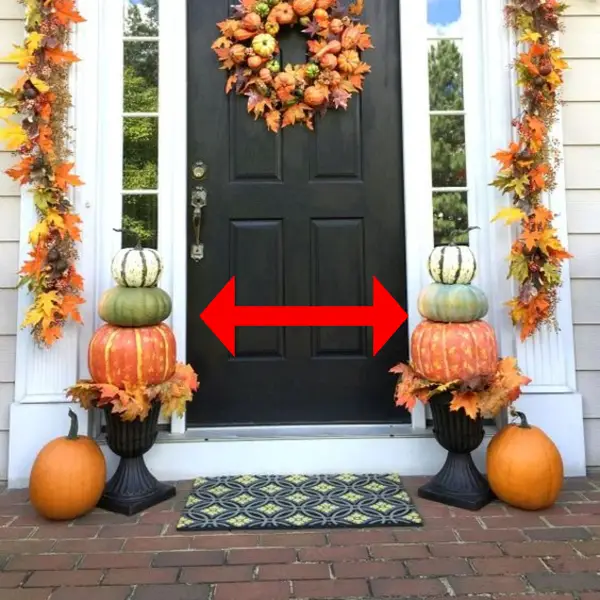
(199, 170)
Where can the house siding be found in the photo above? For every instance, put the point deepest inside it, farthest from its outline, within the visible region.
(11, 32)
(581, 131)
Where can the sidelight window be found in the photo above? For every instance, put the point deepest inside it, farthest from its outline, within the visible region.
(447, 121)
(140, 122)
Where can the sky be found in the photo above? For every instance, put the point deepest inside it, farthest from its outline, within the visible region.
(443, 17)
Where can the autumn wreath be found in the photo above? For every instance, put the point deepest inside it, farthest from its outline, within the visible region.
(249, 50)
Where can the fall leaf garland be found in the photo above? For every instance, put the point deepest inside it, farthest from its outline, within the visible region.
(34, 123)
(528, 165)
(249, 50)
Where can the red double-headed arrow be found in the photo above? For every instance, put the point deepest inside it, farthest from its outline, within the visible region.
(222, 316)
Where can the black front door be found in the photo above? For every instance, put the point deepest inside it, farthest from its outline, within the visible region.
(299, 218)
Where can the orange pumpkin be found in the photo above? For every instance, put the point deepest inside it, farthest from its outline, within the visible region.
(313, 96)
(138, 355)
(284, 13)
(68, 476)
(350, 37)
(328, 61)
(251, 21)
(524, 466)
(349, 61)
(321, 15)
(325, 4)
(444, 352)
(265, 75)
(237, 53)
(255, 61)
(303, 7)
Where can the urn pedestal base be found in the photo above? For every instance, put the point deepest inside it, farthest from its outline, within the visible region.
(133, 488)
(459, 483)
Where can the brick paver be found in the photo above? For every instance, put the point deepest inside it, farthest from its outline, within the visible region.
(499, 552)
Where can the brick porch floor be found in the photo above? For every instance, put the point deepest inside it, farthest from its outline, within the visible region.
(496, 553)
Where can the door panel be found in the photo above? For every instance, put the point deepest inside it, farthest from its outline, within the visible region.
(300, 218)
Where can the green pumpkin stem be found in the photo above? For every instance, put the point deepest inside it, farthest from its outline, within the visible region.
(138, 243)
(74, 430)
(458, 232)
(524, 423)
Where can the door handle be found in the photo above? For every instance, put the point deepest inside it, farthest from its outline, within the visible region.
(199, 196)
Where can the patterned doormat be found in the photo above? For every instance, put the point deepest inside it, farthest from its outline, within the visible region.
(298, 502)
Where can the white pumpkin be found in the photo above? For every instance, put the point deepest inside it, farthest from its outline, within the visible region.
(452, 264)
(136, 267)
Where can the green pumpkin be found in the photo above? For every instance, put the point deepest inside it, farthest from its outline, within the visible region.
(134, 307)
(456, 303)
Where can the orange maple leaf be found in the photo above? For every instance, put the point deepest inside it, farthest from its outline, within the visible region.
(507, 157)
(69, 305)
(467, 401)
(294, 114)
(38, 261)
(71, 224)
(531, 238)
(51, 334)
(76, 281)
(45, 112)
(542, 216)
(59, 56)
(230, 83)
(536, 127)
(63, 176)
(537, 176)
(45, 140)
(228, 27)
(21, 172)
(65, 12)
(273, 120)
(364, 42)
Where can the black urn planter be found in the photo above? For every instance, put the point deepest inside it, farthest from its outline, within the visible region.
(133, 488)
(459, 483)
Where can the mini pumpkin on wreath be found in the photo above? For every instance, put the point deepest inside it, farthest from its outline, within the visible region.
(283, 96)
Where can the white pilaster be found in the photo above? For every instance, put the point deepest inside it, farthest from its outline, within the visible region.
(39, 412)
(551, 401)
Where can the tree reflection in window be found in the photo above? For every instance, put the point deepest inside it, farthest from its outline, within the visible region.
(140, 122)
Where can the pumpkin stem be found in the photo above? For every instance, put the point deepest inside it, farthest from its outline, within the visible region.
(524, 424)
(458, 232)
(74, 430)
(138, 238)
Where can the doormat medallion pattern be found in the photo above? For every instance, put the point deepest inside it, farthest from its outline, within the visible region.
(298, 502)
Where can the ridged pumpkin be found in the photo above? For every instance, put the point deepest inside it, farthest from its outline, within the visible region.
(140, 355)
(68, 476)
(134, 307)
(524, 466)
(452, 264)
(456, 303)
(444, 352)
(136, 267)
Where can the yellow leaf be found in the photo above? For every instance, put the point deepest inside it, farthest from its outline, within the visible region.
(6, 112)
(21, 56)
(34, 41)
(33, 317)
(510, 215)
(40, 86)
(13, 136)
(530, 36)
(48, 303)
(40, 231)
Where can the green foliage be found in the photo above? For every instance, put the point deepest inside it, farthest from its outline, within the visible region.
(448, 156)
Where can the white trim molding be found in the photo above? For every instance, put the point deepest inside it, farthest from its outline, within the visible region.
(39, 411)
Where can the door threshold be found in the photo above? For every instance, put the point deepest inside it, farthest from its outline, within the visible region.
(289, 432)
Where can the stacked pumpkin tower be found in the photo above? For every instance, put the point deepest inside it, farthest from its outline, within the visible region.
(453, 342)
(135, 348)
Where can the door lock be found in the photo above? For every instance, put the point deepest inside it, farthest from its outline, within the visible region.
(199, 170)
